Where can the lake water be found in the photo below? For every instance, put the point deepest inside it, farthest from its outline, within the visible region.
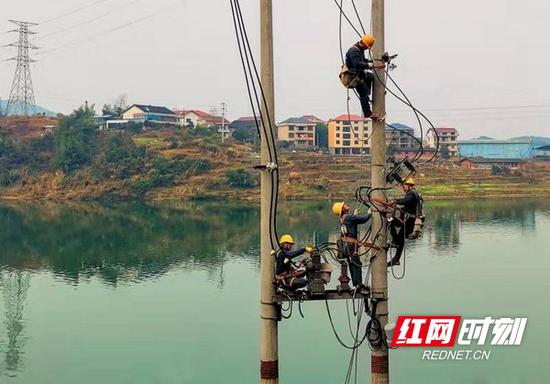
(136, 293)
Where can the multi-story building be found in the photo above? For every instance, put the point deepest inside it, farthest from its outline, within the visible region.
(349, 135)
(400, 136)
(448, 137)
(299, 132)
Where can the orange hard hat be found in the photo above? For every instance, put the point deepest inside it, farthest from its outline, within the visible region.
(368, 40)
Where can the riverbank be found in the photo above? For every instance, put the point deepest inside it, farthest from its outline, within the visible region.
(179, 165)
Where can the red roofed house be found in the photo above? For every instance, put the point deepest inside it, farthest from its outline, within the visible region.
(349, 135)
(196, 118)
(448, 137)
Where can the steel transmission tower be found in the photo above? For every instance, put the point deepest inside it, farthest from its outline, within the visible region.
(21, 101)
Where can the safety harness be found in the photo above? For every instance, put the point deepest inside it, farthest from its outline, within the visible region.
(286, 279)
(344, 236)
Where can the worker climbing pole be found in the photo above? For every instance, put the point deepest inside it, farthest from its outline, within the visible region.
(287, 280)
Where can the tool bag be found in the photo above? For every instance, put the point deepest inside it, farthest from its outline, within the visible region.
(348, 78)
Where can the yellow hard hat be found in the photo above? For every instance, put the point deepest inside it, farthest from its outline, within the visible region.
(286, 239)
(368, 40)
(409, 180)
(337, 208)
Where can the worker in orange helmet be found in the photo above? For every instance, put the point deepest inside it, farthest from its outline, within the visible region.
(358, 64)
(349, 234)
(403, 226)
(287, 275)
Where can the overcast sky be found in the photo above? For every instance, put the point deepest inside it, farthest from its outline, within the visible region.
(478, 65)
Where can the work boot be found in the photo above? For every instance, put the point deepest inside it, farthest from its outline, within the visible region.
(393, 261)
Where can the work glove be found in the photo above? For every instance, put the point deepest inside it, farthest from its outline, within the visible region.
(309, 249)
(286, 260)
(357, 211)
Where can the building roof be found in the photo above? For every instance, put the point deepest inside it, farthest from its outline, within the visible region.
(445, 130)
(347, 117)
(208, 118)
(491, 141)
(151, 109)
(399, 127)
(484, 160)
(197, 112)
(247, 119)
(313, 119)
(306, 119)
(214, 120)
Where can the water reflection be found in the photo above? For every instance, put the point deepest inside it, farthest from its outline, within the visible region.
(131, 242)
(123, 243)
(14, 288)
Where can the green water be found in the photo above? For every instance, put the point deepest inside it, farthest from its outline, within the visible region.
(133, 293)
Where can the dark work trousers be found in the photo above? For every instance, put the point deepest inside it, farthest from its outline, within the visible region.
(364, 89)
(298, 283)
(354, 263)
(398, 237)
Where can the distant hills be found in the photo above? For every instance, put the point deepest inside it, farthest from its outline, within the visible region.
(538, 141)
(39, 109)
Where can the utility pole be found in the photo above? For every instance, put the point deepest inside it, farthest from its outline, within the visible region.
(269, 343)
(21, 101)
(222, 129)
(379, 279)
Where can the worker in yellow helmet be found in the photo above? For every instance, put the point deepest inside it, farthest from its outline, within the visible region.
(349, 233)
(402, 226)
(287, 275)
(358, 64)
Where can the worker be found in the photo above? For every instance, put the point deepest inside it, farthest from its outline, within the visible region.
(287, 274)
(403, 224)
(361, 67)
(349, 233)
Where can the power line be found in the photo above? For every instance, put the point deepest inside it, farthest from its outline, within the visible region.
(72, 12)
(111, 30)
(89, 21)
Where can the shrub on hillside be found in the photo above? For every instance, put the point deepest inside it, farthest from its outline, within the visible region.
(120, 157)
(164, 172)
(240, 178)
(76, 140)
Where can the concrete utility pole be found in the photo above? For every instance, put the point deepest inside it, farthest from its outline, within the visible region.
(269, 344)
(379, 283)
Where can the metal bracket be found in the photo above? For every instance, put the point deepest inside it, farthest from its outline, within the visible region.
(381, 296)
(270, 167)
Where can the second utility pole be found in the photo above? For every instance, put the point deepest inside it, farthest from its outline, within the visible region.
(269, 356)
(379, 280)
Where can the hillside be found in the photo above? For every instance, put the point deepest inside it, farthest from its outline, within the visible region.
(161, 165)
